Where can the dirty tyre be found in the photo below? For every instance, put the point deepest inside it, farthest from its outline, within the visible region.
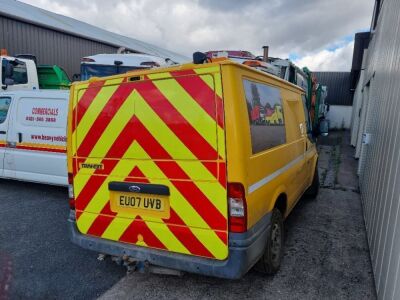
(312, 191)
(270, 261)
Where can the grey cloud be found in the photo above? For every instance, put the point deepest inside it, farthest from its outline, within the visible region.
(229, 5)
(287, 26)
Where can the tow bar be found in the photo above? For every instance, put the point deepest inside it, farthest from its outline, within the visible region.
(133, 264)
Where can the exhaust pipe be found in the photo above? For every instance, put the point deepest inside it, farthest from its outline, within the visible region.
(265, 53)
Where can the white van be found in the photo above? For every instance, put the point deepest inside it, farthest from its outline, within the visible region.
(33, 136)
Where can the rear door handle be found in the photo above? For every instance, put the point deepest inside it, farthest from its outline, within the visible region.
(19, 137)
(3, 132)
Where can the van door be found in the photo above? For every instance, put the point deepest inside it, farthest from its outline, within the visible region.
(5, 105)
(149, 155)
(301, 124)
(296, 129)
(39, 136)
(309, 144)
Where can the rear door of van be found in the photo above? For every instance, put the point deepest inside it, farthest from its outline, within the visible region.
(149, 161)
(36, 148)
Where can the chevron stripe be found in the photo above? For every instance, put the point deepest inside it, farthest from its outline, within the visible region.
(85, 98)
(201, 88)
(189, 216)
(161, 131)
(176, 122)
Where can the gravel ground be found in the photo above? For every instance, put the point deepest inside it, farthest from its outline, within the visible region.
(326, 252)
(37, 260)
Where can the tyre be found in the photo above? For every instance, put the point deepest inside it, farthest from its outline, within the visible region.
(312, 191)
(270, 261)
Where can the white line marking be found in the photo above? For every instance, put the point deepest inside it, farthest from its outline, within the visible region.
(269, 178)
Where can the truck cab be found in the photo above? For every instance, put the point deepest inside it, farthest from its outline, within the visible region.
(101, 65)
(18, 74)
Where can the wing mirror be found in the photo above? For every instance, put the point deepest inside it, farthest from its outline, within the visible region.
(9, 81)
(8, 69)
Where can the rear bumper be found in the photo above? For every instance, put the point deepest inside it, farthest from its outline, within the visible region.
(245, 249)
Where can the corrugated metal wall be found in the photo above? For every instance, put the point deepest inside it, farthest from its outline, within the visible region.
(380, 160)
(49, 46)
(338, 84)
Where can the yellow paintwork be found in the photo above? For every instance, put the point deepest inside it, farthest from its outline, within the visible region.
(243, 166)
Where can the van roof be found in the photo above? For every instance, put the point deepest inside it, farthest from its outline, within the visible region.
(190, 66)
(129, 59)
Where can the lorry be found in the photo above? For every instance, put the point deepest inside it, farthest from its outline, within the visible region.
(33, 114)
(21, 72)
(101, 65)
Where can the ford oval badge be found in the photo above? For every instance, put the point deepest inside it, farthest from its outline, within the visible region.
(134, 188)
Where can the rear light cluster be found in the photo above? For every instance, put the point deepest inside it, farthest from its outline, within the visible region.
(71, 195)
(237, 207)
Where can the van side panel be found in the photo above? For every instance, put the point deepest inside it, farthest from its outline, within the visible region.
(161, 128)
(38, 131)
(270, 172)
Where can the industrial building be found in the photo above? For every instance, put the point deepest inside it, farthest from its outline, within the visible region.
(60, 40)
(340, 98)
(375, 134)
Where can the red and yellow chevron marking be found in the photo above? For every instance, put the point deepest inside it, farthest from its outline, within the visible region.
(2, 144)
(167, 129)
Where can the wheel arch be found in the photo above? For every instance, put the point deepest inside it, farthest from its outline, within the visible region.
(280, 201)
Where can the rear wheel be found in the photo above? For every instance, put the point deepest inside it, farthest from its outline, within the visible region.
(270, 261)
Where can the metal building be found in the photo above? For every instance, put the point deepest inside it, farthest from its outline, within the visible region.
(339, 98)
(60, 40)
(361, 42)
(338, 84)
(378, 98)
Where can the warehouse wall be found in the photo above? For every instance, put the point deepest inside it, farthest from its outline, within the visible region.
(338, 84)
(49, 46)
(339, 98)
(380, 159)
(339, 116)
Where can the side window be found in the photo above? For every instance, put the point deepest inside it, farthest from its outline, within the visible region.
(265, 113)
(19, 72)
(4, 107)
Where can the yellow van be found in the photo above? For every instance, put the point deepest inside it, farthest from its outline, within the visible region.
(177, 168)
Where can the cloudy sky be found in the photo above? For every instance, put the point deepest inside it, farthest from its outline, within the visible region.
(314, 33)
